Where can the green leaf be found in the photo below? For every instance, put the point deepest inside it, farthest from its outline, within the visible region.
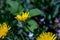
(33, 25)
(49, 17)
(45, 28)
(55, 10)
(35, 12)
(21, 9)
(34, 1)
(19, 24)
(15, 7)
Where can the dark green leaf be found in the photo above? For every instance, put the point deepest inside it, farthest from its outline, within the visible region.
(55, 11)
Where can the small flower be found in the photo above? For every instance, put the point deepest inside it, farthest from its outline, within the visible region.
(4, 28)
(31, 35)
(22, 17)
(58, 33)
(56, 20)
(41, 20)
(46, 36)
(59, 25)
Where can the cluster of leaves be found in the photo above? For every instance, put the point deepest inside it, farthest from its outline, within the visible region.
(48, 9)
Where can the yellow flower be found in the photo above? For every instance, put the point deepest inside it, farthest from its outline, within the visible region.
(4, 28)
(23, 17)
(46, 36)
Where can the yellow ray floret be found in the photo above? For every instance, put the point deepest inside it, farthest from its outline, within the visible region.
(23, 17)
(4, 28)
(46, 36)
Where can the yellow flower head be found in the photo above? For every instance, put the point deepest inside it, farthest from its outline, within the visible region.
(23, 17)
(4, 28)
(46, 36)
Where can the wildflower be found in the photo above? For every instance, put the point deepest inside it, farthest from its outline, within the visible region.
(4, 30)
(56, 20)
(31, 35)
(42, 20)
(22, 17)
(46, 36)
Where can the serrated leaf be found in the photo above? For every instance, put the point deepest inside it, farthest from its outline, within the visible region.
(35, 12)
(33, 25)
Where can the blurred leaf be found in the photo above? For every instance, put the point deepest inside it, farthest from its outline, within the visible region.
(16, 38)
(14, 7)
(34, 1)
(22, 36)
(49, 2)
(13, 4)
(11, 34)
(33, 25)
(19, 24)
(45, 28)
(14, 23)
(55, 10)
(21, 9)
(35, 12)
(49, 17)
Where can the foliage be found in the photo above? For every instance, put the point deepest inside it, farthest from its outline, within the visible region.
(38, 9)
